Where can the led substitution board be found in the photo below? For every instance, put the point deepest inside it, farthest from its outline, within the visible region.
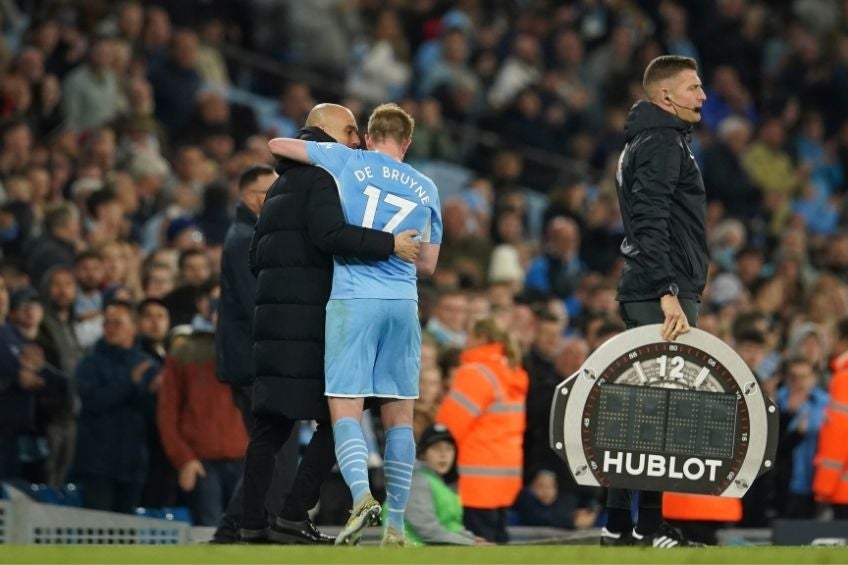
(647, 414)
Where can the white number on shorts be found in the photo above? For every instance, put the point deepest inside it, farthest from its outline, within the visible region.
(405, 208)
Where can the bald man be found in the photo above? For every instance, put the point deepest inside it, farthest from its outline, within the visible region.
(300, 228)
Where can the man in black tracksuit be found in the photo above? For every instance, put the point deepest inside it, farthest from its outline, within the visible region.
(663, 207)
(300, 227)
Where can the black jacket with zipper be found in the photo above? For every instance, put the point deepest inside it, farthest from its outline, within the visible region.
(234, 335)
(663, 207)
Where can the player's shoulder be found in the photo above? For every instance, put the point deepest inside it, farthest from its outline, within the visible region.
(334, 146)
(425, 180)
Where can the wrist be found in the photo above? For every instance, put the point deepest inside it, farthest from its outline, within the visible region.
(670, 289)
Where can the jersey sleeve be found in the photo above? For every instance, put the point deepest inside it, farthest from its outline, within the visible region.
(331, 156)
(433, 231)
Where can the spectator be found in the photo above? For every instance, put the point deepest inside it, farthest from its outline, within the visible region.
(830, 485)
(486, 404)
(192, 401)
(541, 503)
(59, 243)
(46, 390)
(725, 178)
(520, 69)
(160, 489)
(382, 73)
(176, 82)
(558, 269)
(434, 513)
(295, 103)
(157, 281)
(432, 139)
(430, 392)
(195, 270)
(114, 382)
(447, 325)
(802, 404)
(543, 377)
(772, 170)
(62, 350)
(88, 308)
(90, 92)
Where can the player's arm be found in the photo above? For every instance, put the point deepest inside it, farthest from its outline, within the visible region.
(427, 259)
(294, 149)
(431, 238)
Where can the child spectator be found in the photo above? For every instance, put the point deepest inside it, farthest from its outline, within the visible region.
(434, 513)
(541, 504)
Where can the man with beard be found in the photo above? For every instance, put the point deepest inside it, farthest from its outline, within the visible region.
(63, 351)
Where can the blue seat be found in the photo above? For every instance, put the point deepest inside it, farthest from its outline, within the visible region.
(176, 514)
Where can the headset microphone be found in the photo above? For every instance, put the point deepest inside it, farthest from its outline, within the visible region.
(696, 110)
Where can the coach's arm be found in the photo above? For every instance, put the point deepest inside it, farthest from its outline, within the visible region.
(331, 234)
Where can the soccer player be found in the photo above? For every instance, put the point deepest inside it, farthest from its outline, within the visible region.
(373, 338)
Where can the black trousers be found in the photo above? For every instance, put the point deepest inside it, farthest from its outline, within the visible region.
(267, 437)
(635, 314)
(487, 523)
(840, 511)
(284, 467)
(100, 493)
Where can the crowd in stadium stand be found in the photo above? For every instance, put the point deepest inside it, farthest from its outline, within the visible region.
(125, 127)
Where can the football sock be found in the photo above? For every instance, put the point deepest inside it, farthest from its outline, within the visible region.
(352, 457)
(399, 460)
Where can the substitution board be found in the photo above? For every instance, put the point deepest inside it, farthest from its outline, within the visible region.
(647, 414)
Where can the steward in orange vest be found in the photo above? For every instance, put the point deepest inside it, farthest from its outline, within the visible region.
(484, 411)
(830, 483)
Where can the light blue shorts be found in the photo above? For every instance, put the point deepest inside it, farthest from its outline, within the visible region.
(373, 348)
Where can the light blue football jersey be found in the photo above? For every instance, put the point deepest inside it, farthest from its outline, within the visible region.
(380, 193)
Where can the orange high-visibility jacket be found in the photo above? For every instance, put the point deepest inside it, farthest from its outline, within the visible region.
(484, 411)
(830, 483)
(700, 507)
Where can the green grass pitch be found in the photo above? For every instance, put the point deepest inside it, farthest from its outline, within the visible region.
(368, 555)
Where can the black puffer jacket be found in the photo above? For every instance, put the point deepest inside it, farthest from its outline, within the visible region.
(300, 226)
(663, 206)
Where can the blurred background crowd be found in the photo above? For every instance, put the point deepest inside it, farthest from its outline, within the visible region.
(124, 127)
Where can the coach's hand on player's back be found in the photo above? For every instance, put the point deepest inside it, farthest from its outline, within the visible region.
(675, 319)
(407, 245)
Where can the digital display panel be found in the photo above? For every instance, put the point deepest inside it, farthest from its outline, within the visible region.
(685, 422)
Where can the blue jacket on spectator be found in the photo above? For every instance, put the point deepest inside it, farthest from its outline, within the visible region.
(554, 276)
(805, 451)
(111, 435)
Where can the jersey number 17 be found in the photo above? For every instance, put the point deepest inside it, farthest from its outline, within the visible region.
(404, 206)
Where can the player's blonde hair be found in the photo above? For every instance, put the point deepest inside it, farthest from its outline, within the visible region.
(390, 121)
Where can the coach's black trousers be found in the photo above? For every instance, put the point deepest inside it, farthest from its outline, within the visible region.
(635, 314)
(268, 435)
(284, 467)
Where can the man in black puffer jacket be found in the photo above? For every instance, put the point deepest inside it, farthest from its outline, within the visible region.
(300, 228)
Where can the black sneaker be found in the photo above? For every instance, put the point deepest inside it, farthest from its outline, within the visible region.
(665, 538)
(299, 532)
(609, 539)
